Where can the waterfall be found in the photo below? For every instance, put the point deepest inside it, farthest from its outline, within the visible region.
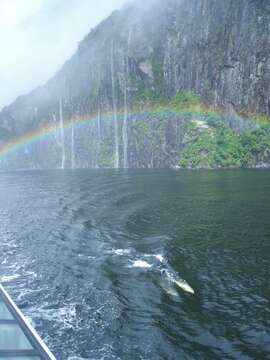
(56, 134)
(62, 134)
(124, 129)
(93, 145)
(98, 121)
(99, 106)
(97, 136)
(99, 127)
(72, 147)
(116, 139)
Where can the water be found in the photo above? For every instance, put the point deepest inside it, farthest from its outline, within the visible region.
(81, 254)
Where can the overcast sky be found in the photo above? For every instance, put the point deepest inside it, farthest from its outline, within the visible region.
(38, 36)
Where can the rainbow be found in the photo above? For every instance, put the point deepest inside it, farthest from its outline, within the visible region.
(41, 134)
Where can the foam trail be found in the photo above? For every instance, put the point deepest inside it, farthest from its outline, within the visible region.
(121, 252)
(141, 264)
(9, 278)
(159, 257)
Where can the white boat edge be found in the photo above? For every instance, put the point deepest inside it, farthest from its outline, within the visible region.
(28, 325)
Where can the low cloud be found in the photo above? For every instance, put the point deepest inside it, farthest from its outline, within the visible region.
(39, 37)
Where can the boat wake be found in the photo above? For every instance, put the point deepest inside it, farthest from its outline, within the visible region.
(141, 264)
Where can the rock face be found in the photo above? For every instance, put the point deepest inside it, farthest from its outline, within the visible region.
(154, 49)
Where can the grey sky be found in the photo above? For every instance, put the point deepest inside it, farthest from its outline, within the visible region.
(37, 36)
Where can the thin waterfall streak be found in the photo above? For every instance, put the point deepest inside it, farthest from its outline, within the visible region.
(99, 110)
(116, 139)
(125, 135)
(92, 141)
(62, 134)
(72, 147)
(56, 133)
(125, 129)
(99, 127)
(98, 123)
(98, 138)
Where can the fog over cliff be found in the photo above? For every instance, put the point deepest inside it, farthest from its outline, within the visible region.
(38, 36)
(187, 83)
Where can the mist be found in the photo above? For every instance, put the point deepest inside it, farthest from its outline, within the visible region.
(38, 36)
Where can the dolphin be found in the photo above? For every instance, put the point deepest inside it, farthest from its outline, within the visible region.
(174, 279)
(167, 285)
(169, 279)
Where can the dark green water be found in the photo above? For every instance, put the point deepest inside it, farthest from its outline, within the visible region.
(78, 254)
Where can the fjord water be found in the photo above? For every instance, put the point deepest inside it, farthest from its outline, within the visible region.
(74, 247)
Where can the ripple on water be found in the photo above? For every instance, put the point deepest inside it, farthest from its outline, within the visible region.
(76, 248)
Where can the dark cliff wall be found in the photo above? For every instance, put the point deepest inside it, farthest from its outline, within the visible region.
(217, 49)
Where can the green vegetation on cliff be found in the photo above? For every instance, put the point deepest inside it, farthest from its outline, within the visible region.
(214, 147)
(162, 132)
(183, 101)
(213, 139)
(211, 143)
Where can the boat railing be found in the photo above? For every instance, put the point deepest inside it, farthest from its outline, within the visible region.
(18, 339)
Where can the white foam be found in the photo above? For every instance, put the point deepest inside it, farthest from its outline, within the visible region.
(141, 264)
(159, 257)
(31, 273)
(9, 278)
(65, 316)
(121, 252)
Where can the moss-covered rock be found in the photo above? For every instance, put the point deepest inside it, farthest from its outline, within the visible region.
(214, 145)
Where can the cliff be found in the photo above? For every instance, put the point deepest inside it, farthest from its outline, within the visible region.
(205, 54)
